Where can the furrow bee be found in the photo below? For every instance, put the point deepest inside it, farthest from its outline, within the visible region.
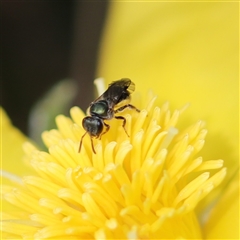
(105, 107)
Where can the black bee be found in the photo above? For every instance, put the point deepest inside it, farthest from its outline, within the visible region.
(105, 107)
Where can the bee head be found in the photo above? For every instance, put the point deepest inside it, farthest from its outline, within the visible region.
(93, 125)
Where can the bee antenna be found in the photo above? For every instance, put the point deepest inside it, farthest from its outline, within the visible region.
(80, 145)
(92, 146)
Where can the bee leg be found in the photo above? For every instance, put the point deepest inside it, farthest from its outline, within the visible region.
(124, 123)
(126, 106)
(107, 128)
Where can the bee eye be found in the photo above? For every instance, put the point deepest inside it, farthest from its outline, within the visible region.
(99, 108)
(93, 126)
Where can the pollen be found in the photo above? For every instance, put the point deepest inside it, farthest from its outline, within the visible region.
(145, 186)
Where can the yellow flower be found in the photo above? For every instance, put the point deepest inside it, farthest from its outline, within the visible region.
(11, 150)
(141, 187)
(187, 52)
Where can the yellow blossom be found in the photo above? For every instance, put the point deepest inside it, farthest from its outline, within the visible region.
(11, 150)
(143, 187)
(188, 51)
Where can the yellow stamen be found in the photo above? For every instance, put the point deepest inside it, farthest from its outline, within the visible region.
(146, 186)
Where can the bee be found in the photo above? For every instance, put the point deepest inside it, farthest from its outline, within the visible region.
(114, 100)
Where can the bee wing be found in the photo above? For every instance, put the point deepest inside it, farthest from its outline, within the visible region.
(131, 87)
(123, 84)
(117, 92)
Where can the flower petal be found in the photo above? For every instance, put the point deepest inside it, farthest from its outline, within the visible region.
(189, 51)
(11, 148)
(223, 222)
